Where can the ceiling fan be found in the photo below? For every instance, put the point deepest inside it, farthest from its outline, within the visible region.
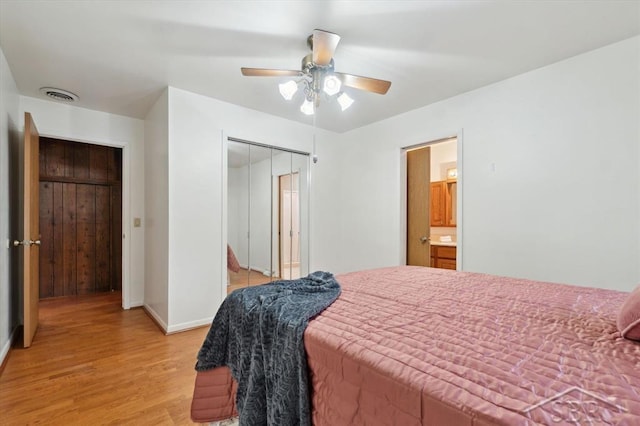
(317, 75)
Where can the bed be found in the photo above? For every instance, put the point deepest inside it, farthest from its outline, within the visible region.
(423, 346)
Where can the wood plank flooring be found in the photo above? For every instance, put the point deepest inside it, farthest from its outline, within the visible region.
(245, 278)
(93, 363)
(248, 278)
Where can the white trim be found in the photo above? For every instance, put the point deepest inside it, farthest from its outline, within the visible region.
(403, 206)
(126, 227)
(224, 272)
(156, 317)
(126, 209)
(459, 202)
(310, 164)
(189, 325)
(7, 346)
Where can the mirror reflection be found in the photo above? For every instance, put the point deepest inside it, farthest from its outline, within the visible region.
(267, 226)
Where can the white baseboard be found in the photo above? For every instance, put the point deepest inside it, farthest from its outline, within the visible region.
(170, 329)
(189, 325)
(136, 304)
(7, 346)
(156, 318)
(263, 271)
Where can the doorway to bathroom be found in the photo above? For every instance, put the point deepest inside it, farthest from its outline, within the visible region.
(432, 204)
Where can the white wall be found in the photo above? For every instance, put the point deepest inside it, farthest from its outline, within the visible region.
(197, 266)
(195, 231)
(57, 120)
(550, 172)
(156, 198)
(9, 141)
(328, 198)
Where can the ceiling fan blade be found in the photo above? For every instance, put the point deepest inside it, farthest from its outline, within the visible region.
(324, 45)
(364, 83)
(265, 72)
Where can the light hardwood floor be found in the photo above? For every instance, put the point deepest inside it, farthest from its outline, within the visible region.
(93, 363)
(245, 278)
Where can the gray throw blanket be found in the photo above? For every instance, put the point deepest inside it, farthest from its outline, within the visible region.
(257, 333)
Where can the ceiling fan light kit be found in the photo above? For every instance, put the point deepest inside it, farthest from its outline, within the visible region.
(307, 107)
(317, 76)
(288, 89)
(345, 101)
(332, 84)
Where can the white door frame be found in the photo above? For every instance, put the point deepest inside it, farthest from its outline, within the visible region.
(126, 209)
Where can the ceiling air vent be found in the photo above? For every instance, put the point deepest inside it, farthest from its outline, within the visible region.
(59, 94)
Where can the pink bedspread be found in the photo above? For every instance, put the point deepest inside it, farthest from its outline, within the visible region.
(411, 346)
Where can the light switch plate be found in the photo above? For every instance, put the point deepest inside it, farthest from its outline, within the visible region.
(137, 222)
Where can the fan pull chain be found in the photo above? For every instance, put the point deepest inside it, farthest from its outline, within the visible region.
(314, 156)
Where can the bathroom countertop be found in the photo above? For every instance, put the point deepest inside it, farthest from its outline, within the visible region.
(443, 243)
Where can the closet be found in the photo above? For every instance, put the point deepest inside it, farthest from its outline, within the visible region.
(267, 212)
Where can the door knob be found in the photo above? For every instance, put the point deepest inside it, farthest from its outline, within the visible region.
(17, 243)
(424, 239)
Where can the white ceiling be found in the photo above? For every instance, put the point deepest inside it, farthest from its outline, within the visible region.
(118, 56)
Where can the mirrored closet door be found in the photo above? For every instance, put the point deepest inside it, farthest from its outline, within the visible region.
(268, 214)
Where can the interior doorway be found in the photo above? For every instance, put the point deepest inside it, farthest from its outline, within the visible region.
(80, 218)
(432, 204)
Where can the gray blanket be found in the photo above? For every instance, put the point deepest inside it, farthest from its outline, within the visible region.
(257, 333)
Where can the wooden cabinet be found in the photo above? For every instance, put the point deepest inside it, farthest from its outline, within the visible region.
(443, 203)
(443, 257)
(438, 190)
(450, 204)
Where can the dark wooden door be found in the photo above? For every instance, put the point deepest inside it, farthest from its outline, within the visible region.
(81, 204)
